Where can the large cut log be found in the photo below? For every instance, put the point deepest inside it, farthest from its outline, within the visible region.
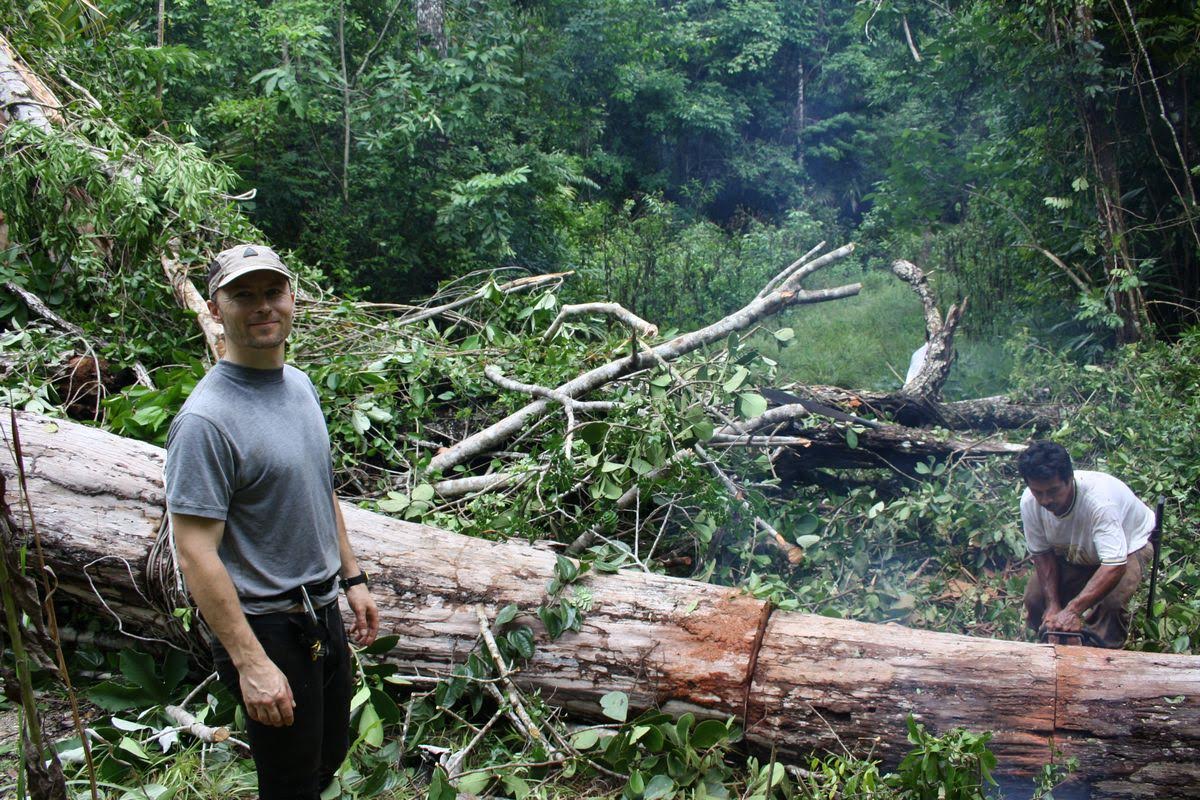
(799, 682)
(998, 412)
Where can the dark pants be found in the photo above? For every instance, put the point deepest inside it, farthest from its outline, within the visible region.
(297, 761)
(1108, 620)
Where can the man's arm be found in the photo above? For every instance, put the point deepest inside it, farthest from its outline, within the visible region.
(1046, 565)
(366, 615)
(1070, 618)
(265, 690)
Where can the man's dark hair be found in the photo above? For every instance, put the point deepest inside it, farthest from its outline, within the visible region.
(1044, 461)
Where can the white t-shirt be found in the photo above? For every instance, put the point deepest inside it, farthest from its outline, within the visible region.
(916, 362)
(1106, 523)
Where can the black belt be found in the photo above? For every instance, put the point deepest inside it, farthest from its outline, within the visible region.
(297, 595)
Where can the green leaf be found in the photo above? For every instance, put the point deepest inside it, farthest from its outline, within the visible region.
(736, 380)
(423, 492)
(151, 791)
(370, 726)
(785, 335)
(659, 788)
(637, 784)
(565, 569)
(851, 438)
(377, 414)
(175, 669)
(750, 405)
(139, 669)
(615, 705)
(806, 524)
(113, 696)
(132, 747)
(610, 489)
(585, 740)
(394, 503)
(708, 733)
(593, 432)
(439, 787)
(381, 645)
(640, 466)
(359, 422)
(683, 726)
(521, 640)
(506, 615)
(516, 786)
(474, 783)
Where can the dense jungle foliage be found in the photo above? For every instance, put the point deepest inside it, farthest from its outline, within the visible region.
(1036, 157)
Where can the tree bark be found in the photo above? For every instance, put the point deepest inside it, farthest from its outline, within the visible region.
(431, 24)
(998, 412)
(800, 682)
(23, 96)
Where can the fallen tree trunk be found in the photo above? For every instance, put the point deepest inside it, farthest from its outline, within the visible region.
(800, 682)
(983, 414)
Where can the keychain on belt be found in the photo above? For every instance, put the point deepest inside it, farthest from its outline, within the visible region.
(317, 645)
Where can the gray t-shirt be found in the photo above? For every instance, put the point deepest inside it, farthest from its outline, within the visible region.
(250, 447)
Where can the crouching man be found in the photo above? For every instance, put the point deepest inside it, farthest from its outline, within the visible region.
(1089, 537)
(260, 537)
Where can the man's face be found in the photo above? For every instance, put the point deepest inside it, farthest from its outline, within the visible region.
(256, 310)
(1055, 495)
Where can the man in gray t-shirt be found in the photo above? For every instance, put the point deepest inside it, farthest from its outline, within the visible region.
(260, 536)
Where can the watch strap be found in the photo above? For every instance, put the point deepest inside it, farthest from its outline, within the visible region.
(346, 583)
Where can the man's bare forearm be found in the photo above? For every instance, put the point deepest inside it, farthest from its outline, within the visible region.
(349, 563)
(213, 589)
(1103, 581)
(1046, 565)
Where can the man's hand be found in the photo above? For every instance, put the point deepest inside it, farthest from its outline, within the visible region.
(267, 694)
(1064, 620)
(366, 615)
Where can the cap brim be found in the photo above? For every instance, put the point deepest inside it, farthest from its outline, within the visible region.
(246, 269)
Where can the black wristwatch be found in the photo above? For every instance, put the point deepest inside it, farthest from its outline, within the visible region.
(346, 583)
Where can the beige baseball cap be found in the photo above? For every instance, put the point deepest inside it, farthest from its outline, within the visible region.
(233, 263)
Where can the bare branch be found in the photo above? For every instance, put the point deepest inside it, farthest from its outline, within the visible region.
(570, 405)
(638, 325)
(794, 554)
(512, 695)
(189, 724)
(926, 385)
(457, 487)
(189, 298)
(908, 37)
(499, 432)
(35, 304)
(789, 270)
(518, 285)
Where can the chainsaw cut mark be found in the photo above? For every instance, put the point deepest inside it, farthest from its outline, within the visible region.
(752, 667)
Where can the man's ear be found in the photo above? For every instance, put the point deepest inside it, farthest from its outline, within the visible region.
(215, 310)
